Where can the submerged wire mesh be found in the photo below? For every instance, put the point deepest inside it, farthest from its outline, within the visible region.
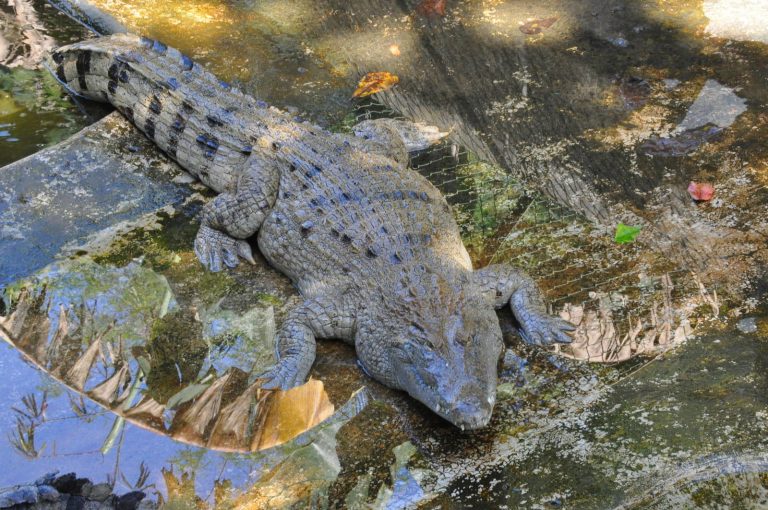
(626, 299)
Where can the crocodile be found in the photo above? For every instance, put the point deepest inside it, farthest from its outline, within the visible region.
(370, 244)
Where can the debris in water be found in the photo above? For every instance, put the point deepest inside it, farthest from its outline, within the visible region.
(537, 26)
(431, 8)
(634, 91)
(626, 233)
(373, 83)
(748, 325)
(682, 144)
(701, 191)
(394, 50)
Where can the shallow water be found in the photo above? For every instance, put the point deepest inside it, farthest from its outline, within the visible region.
(603, 116)
(34, 111)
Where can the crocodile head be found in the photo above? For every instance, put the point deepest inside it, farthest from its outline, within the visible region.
(446, 357)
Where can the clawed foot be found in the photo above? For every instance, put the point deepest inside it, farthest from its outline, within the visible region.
(216, 249)
(545, 330)
(282, 376)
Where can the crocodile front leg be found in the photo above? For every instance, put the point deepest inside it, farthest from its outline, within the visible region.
(503, 284)
(321, 317)
(231, 218)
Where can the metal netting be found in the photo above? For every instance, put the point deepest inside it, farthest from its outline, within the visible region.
(626, 299)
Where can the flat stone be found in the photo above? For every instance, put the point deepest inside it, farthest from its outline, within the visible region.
(747, 325)
(129, 500)
(70, 484)
(48, 493)
(60, 195)
(21, 495)
(100, 492)
(743, 20)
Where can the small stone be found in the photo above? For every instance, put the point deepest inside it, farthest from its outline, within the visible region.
(48, 493)
(85, 490)
(748, 325)
(76, 503)
(100, 492)
(47, 479)
(65, 483)
(26, 494)
(620, 42)
(129, 500)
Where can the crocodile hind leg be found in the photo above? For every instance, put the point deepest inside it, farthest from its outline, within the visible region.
(231, 218)
(295, 345)
(503, 284)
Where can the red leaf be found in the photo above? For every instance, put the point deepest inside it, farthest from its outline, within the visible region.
(536, 26)
(701, 191)
(431, 8)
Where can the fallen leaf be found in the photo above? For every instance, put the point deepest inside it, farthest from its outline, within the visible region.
(373, 83)
(536, 26)
(292, 412)
(701, 191)
(431, 8)
(626, 233)
(185, 395)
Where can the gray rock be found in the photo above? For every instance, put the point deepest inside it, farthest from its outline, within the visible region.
(129, 500)
(25, 494)
(85, 490)
(47, 479)
(100, 492)
(748, 325)
(62, 194)
(48, 493)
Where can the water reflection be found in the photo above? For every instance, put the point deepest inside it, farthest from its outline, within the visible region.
(34, 112)
(565, 110)
(104, 332)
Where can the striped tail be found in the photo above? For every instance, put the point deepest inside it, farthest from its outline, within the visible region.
(196, 119)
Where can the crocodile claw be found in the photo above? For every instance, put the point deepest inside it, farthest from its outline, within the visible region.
(216, 249)
(545, 330)
(280, 377)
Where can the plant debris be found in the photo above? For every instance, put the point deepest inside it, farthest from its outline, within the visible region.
(537, 26)
(373, 83)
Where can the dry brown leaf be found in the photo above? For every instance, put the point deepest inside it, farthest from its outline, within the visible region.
(291, 413)
(231, 429)
(536, 26)
(78, 374)
(106, 392)
(147, 412)
(190, 424)
(431, 8)
(373, 83)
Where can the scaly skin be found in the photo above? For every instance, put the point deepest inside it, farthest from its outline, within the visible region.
(370, 244)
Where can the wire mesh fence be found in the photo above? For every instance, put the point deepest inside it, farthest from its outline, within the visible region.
(626, 299)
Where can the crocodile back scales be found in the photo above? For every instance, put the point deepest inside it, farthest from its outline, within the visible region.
(347, 218)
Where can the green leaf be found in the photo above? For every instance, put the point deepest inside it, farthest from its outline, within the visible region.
(626, 233)
(144, 364)
(185, 395)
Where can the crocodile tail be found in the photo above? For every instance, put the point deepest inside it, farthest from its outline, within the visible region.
(164, 93)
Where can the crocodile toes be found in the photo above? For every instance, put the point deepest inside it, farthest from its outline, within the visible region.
(545, 330)
(281, 377)
(216, 249)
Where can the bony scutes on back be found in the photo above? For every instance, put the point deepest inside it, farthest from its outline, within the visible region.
(369, 243)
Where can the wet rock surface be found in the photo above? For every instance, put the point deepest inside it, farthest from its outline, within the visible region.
(51, 202)
(53, 492)
(563, 110)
